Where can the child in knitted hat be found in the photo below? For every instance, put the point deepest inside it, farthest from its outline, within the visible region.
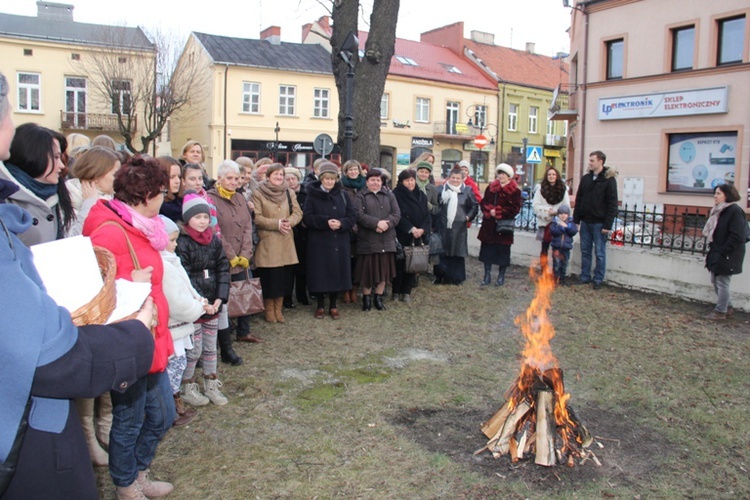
(203, 258)
(562, 230)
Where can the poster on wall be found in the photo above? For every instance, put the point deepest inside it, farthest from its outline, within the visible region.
(698, 162)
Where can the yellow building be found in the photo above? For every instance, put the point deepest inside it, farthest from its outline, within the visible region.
(48, 59)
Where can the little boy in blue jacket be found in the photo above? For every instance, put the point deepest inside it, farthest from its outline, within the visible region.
(562, 230)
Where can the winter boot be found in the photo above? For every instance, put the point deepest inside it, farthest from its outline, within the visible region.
(366, 302)
(487, 276)
(228, 355)
(184, 414)
(406, 297)
(379, 302)
(192, 395)
(132, 492)
(270, 312)
(500, 276)
(153, 489)
(279, 306)
(211, 386)
(85, 407)
(103, 419)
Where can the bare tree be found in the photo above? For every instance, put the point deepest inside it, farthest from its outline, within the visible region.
(144, 85)
(370, 72)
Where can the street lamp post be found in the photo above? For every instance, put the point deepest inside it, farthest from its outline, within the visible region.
(480, 122)
(276, 129)
(348, 51)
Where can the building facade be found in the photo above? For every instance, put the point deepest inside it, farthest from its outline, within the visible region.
(48, 62)
(663, 88)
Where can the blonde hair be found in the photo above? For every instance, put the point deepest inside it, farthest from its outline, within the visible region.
(77, 141)
(94, 163)
(104, 141)
(190, 144)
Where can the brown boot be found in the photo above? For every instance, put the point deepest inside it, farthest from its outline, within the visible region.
(279, 306)
(153, 489)
(184, 414)
(132, 492)
(85, 406)
(270, 312)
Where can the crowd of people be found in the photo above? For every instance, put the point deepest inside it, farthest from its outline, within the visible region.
(338, 232)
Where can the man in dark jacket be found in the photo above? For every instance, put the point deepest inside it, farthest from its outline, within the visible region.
(595, 211)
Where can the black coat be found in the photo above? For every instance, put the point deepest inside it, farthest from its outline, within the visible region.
(414, 213)
(207, 267)
(300, 237)
(596, 199)
(103, 358)
(727, 250)
(328, 251)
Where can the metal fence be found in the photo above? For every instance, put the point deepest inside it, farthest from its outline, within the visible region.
(676, 230)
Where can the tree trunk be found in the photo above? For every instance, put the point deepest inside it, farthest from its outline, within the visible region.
(370, 72)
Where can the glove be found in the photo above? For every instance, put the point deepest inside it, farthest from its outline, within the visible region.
(243, 262)
(236, 261)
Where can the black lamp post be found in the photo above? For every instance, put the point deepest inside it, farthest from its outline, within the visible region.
(348, 52)
(276, 129)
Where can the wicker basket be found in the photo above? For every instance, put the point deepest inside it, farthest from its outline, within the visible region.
(98, 309)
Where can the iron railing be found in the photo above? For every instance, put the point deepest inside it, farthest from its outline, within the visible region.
(91, 121)
(676, 230)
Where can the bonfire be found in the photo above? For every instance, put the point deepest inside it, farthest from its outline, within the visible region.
(537, 418)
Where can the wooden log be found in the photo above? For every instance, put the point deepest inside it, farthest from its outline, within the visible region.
(545, 428)
(499, 444)
(521, 438)
(496, 421)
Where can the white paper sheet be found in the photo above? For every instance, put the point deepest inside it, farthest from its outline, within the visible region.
(130, 298)
(69, 270)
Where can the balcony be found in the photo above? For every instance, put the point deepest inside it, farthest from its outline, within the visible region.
(564, 103)
(557, 141)
(457, 131)
(91, 121)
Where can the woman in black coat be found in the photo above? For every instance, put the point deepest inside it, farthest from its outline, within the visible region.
(726, 234)
(457, 207)
(413, 228)
(329, 216)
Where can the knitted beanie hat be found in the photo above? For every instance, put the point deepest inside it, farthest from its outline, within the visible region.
(563, 209)
(169, 225)
(192, 205)
(424, 164)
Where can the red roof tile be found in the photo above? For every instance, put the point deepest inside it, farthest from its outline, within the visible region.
(521, 67)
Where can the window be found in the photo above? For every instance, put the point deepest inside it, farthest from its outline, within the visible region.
(533, 119)
(550, 127)
(423, 110)
(408, 61)
(250, 97)
(480, 116)
(29, 91)
(683, 43)
(384, 106)
(287, 95)
(28, 52)
(512, 117)
(731, 40)
(75, 102)
(321, 103)
(615, 59)
(699, 161)
(75, 57)
(121, 97)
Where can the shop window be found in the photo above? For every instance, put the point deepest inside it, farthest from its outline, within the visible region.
(698, 162)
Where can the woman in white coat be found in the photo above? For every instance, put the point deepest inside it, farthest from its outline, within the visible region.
(549, 195)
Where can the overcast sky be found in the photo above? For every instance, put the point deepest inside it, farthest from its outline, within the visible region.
(513, 22)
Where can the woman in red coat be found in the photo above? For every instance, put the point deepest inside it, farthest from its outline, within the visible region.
(502, 201)
(142, 414)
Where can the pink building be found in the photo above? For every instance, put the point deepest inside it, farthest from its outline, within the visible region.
(663, 88)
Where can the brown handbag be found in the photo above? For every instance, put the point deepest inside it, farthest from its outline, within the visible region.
(245, 296)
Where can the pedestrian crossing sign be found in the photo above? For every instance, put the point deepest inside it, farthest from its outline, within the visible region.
(534, 154)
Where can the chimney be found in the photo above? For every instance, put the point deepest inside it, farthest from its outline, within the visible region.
(531, 47)
(482, 37)
(54, 11)
(271, 34)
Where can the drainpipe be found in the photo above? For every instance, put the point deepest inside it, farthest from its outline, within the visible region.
(500, 115)
(226, 75)
(582, 152)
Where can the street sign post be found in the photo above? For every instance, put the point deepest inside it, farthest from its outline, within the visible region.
(534, 154)
(323, 144)
(480, 141)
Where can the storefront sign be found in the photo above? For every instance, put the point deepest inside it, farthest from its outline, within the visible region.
(552, 152)
(422, 142)
(683, 102)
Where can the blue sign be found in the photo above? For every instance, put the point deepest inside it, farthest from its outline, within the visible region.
(534, 154)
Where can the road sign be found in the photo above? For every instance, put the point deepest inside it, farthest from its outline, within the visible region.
(534, 154)
(323, 144)
(480, 141)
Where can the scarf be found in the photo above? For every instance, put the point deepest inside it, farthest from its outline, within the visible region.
(41, 190)
(713, 219)
(450, 197)
(553, 193)
(152, 228)
(224, 193)
(422, 185)
(202, 238)
(357, 183)
(276, 194)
